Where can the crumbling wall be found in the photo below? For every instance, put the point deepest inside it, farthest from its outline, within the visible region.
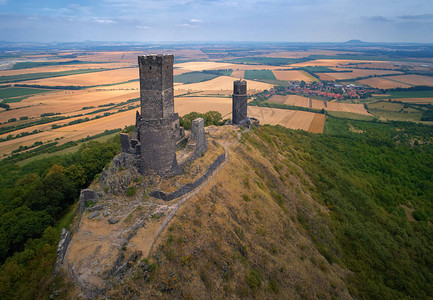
(189, 187)
(198, 135)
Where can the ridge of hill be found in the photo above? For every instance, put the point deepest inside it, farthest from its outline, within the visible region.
(298, 215)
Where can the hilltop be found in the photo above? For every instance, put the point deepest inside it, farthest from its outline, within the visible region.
(294, 215)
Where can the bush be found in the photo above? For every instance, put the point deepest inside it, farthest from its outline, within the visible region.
(253, 278)
(131, 191)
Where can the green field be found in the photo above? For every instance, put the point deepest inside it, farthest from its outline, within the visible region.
(33, 76)
(10, 94)
(259, 75)
(194, 77)
(412, 94)
(348, 115)
(35, 64)
(272, 61)
(384, 110)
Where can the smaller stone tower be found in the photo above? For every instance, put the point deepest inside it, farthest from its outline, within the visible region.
(239, 107)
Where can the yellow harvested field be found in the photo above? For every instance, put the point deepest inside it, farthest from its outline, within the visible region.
(292, 75)
(65, 102)
(325, 77)
(90, 79)
(184, 105)
(134, 85)
(383, 83)
(354, 73)
(334, 62)
(288, 118)
(238, 74)
(210, 65)
(223, 83)
(202, 65)
(179, 71)
(295, 100)
(413, 79)
(237, 67)
(318, 124)
(63, 68)
(73, 132)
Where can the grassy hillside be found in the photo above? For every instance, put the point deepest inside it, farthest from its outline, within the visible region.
(291, 215)
(298, 215)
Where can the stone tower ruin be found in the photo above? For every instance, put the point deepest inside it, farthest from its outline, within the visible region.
(239, 105)
(157, 125)
(157, 132)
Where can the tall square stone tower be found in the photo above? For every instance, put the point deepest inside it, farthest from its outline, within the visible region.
(156, 86)
(239, 104)
(157, 127)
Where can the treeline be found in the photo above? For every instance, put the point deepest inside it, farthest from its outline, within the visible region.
(34, 198)
(37, 195)
(412, 89)
(210, 118)
(56, 87)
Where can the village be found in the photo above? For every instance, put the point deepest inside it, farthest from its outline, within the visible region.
(325, 90)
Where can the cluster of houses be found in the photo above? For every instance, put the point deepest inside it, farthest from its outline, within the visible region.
(326, 90)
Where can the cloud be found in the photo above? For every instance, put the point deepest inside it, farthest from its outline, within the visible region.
(417, 17)
(143, 27)
(193, 23)
(378, 19)
(104, 21)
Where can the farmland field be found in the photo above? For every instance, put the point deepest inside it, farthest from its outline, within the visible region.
(288, 118)
(193, 77)
(383, 83)
(184, 105)
(36, 76)
(95, 79)
(222, 83)
(61, 68)
(17, 92)
(201, 86)
(295, 100)
(275, 61)
(394, 111)
(412, 94)
(291, 75)
(355, 73)
(413, 79)
(203, 65)
(259, 75)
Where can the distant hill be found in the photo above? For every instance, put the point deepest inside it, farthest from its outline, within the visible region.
(355, 42)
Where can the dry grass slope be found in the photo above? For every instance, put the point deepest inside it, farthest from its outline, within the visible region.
(240, 237)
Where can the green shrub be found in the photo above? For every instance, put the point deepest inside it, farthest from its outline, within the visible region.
(253, 278)
(131, 191)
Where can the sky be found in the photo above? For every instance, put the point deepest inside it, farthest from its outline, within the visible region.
(216, 20)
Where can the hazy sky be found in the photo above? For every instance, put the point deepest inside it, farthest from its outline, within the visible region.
(217, 20)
